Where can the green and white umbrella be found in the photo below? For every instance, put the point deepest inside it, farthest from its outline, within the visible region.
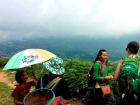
(28, 57)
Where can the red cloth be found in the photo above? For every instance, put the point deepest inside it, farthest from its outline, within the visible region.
(58, 100)
(26, 89)
(103, 65)
(102, 78)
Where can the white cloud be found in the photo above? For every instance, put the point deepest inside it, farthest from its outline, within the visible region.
(123, 15)
(69, 17)
(4, 34)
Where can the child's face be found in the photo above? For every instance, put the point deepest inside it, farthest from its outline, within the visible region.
(103, 56)
(24, 76)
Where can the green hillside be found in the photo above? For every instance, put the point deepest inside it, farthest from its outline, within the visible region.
(83, 47)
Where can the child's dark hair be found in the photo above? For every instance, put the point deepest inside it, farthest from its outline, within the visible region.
(133, 47)
(18, 76)
(99, 53)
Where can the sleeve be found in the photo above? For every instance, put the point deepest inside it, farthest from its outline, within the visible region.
(96, 76)
(15, 93)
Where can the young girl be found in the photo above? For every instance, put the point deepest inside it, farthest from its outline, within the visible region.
(132, 50)
(22, 77)
(102, 77)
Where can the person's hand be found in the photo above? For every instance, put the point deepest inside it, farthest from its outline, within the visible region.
(107, 77)
(33, 72)
(110, 77)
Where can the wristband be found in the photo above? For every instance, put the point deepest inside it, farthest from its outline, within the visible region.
(102, 78)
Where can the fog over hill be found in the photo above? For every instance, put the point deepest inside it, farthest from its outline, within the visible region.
(83, 47)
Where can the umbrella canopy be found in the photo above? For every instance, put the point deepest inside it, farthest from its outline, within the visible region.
(28, 57)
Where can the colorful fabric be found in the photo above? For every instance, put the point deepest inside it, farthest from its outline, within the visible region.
(53, 82)
(54, 66)
(103, 65)
(58, 100)
(28, 57)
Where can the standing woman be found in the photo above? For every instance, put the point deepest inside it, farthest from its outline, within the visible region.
(100, 75)
(128, 98)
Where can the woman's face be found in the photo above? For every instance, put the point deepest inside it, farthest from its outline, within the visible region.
(24, 77)
(103, 56)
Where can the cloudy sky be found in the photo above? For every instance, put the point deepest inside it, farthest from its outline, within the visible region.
(22, 18)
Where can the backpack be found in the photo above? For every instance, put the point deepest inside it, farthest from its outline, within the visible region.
(129, 74)
(90, 80)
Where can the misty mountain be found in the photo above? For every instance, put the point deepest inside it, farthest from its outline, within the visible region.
(83, 47)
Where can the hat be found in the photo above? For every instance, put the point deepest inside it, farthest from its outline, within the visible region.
(54, 66)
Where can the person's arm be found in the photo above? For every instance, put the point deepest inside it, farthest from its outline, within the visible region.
(35, 77)
(18, 102)
(35, 81)
(96, 76)
(118, 70)
(38, 84)
(110, 76)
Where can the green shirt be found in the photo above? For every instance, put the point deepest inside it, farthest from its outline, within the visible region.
(100, 78)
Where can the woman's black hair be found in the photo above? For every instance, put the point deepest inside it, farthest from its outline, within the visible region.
(133, 47)
(18, 76)
(99, 53)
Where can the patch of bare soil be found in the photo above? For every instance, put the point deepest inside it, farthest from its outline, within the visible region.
(5, 79)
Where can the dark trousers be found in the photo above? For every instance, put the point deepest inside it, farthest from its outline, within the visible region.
(99, 97)
(130, 100)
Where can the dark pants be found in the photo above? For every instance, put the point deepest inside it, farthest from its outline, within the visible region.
(99, 97)
(130, 100)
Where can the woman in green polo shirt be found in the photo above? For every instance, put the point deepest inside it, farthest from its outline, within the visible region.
(100, 74)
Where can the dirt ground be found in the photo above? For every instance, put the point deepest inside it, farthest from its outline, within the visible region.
(5, 79)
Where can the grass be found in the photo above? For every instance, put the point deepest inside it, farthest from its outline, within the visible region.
(5, 94)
